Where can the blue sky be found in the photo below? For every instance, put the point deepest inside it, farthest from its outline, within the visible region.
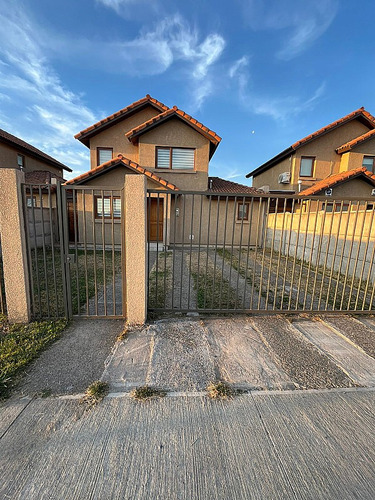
(260, 73)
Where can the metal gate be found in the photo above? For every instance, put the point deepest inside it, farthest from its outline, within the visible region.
(75, 245)
(241, 253)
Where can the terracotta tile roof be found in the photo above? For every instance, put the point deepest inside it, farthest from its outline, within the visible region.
(85, 134)
(41, 177)
(358, 113)
(133, 134)
(335, 179)
(354, 142)
(355, 114)
(120, 159)
(218, 185)
(27, 148)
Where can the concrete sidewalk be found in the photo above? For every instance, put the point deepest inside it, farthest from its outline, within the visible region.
(291, 444)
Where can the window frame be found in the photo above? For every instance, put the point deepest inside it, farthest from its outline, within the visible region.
(110, 216)
(171, 148)
(373, 162)
(241, 204)
(21, 167)
(100, 148)
(313, 158)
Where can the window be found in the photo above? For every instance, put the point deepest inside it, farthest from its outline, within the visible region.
(21, 162)
(335, 207)
(104, 154)
(175, 158)
(31, 201)
(243, 211)
(112, 207)
(368, 162)
(307, 166)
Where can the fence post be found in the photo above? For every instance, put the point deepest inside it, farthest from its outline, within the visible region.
(135, 248)
(13, 245)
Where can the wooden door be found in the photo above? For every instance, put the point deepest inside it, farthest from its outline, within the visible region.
(155, 219)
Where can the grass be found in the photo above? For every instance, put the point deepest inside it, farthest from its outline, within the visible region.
(219, 390)
(21, 344)
(159, 281)
(145, 393)
(95, 393)
(50, 284)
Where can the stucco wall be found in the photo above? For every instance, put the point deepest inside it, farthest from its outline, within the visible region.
(114, 137)
(271, 177)
(8, 159)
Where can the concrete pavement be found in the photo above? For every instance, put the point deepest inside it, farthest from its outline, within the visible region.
(279, 445)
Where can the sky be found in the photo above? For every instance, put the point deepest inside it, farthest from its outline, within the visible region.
(260, 73)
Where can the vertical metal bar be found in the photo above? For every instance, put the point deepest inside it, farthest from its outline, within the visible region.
(364, 256)
(94, 204)
(60, 209)
(166, 218)
(334, 256)
(253, 278)
(349, 257)
(157, 250)
(264, 253)
(317, 264)
(36, 258)
(51, 225)
(240, 254)
(75, 213)
(215, 254)
(123, 255)
(372, 279)
(286, 253)
(28, 246)
(279, 260)
(231, 251)
(223, 258)
(64, 253)
(148, 206)
(174, 250)
(104, 257)
(342, 256)
(310, 258)
(357, 257)
(270, 272)
(326, 256)
(296, 253)
(85, 250)
(250, 228)
(208, 247)
(199, 241)
(191, 247)
(44, 251)
(182, 249)
(113, 256)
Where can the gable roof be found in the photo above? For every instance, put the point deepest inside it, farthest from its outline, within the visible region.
(355, 142)
(335, 179)
(121, 160)
(361, 114)
(174, 112)
(85, 135)
(218, 185)
(25, 147)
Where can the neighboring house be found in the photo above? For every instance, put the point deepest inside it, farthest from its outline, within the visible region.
(172, 150)
(337, 160)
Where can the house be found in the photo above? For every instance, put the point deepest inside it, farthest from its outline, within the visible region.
(337, 160)
(172, 150)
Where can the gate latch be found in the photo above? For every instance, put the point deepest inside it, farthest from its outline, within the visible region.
(70, 258)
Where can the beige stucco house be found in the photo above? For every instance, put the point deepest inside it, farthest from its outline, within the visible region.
(172, 150)
(337, 160)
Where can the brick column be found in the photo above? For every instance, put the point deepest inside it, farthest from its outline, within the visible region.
(135, 243)
(13, 244)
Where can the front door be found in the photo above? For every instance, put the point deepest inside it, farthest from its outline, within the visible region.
(155, 219)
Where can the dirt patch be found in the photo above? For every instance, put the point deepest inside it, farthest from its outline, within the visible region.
(308, 367)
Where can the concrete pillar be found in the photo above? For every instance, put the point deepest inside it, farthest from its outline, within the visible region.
(13, 244)
(135, 248)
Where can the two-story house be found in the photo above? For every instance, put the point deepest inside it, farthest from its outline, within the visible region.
(169, 147)
(337, 160)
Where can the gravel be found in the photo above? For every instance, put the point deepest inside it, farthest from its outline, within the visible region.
(306, 366)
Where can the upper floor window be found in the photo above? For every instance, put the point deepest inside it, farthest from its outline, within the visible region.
(104, 154)
(175, 158)
(21, 162)
(369, 163)
(307, 166)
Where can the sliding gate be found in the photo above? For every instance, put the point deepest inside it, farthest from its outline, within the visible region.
(239, 253)
(75, 248)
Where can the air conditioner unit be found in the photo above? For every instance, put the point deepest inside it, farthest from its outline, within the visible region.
(284, 178)
(373, 192)
(328, 192)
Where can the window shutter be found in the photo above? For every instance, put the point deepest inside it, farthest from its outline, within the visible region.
(182, 158)
(105, 155)
(163, 157)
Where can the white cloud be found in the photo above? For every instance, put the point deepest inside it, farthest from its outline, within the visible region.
(303, 22)
(36, 106)
(238, 66)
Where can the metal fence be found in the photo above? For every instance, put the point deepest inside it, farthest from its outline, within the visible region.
(75, 250)
(241, 253)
